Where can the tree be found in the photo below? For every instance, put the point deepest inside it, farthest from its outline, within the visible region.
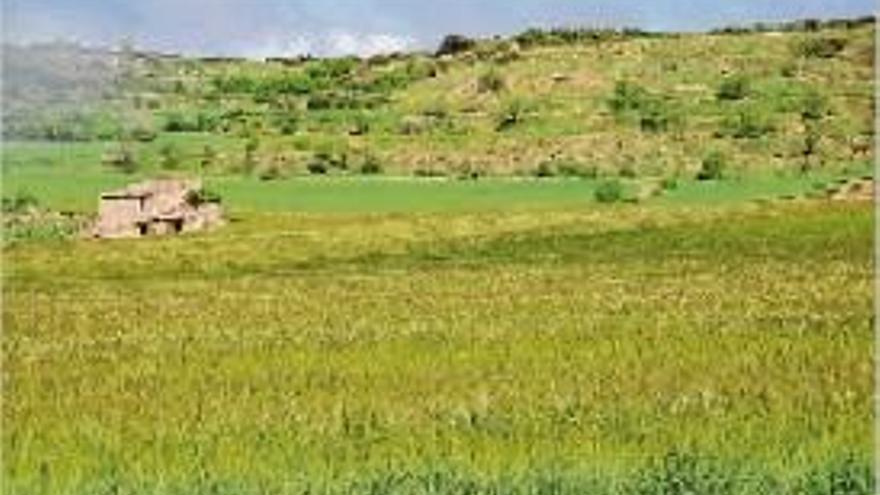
(454, 44)
(169, 157)
(813, 110)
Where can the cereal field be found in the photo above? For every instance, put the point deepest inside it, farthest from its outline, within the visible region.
(612, 350)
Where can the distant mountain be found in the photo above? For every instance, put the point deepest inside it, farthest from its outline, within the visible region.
(54, 79)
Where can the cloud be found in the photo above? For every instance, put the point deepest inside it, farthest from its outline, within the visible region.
(363, 27)
(365, 45)
(334, 43)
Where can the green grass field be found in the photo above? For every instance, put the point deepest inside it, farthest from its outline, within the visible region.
(69, 177)
(359, 328)
(626, 349)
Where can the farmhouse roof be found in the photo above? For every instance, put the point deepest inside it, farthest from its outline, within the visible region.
(152, 188)
(126, 194)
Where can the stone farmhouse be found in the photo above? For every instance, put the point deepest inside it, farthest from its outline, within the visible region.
(156, 207)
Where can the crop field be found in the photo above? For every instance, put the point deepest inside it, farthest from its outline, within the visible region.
(622, 350)
(570, 261)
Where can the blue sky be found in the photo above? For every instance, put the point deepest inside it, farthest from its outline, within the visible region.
(333, 27)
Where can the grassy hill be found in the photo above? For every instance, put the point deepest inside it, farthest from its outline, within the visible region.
(604, 104)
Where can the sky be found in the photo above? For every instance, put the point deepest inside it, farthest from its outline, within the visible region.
(261, 28)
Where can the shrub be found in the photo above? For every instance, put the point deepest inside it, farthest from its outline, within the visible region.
(178, 122)
(669, 184)
(652, 112)
(747, 123)
(628, 171)
(820, 47)
(360, 125)
(169, 157)
(571, 168)
(733, 88)
(712, 167)
(143, 134)
(122, 159)
(609, 191)
(490, 82)
(325, 160)
(202, 196)
(270, 173)
(410, 126)
(454, 44)
(316, 167)
(429, 172)
(511, 114)
(371, 165)
(627, 97)
(21, 202)
(545, 170)
(466, 171)
(250, 155)
(654, 116)
(813, 106)
(287, 123)
(209, 155)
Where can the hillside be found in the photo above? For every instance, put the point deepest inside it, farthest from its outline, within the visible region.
(642, 105)
(629, 104)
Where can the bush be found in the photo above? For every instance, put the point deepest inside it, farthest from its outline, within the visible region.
(21, 202)
(545, 170)
(316, 167)
(652, 112)
(820, 47)
(571, 168)
(209, 155)
(609, 191)
(201, 196)
(712, 167)
(169, 157)
(270, 173)
(122, 159)
(490, 82)
(143, 134)
(669, 184)
(746, 124)
(627, 97)
(813, 106)
(628, 171)
(429, 172)
(654, 116)
(250, 155)
(177, 122)
(286, 123)
(511, 114)
(733, 88)
(325, 160)
(454, 44)
(360, 125)
(371, 165)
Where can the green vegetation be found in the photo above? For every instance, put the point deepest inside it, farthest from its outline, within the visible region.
(609, 191)
(713, 167)
(506, 106)
(341, 354)
(733, 88)
(545, 264)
